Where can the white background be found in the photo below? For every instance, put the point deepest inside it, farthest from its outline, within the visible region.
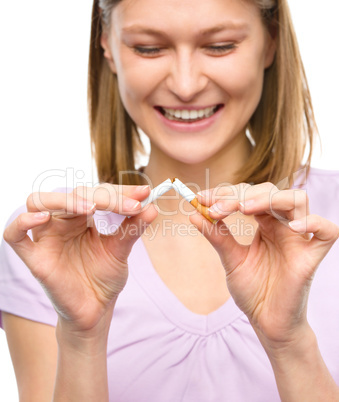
(43, 111)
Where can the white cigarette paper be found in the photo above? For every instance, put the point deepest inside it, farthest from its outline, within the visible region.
(158, 191)
(183, 190)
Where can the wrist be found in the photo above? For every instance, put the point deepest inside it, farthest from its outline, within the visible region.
(82, 363)
(299, 369)
(91, 341)
(298, 349)
(296, 342)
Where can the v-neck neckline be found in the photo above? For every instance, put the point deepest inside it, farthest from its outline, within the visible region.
(143, 271)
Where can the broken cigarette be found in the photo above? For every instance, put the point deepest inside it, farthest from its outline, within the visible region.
(158, 191)
(189, 196)
(183, 190)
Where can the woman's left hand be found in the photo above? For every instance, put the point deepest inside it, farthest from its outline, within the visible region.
(269, 279)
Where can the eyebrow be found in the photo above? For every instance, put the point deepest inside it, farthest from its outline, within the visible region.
(231, 26)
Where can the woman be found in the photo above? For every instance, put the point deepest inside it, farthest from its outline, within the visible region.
(180, 331)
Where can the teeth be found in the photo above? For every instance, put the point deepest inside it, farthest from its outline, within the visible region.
(189, 115)
(177, 113)
(193, 114)
(185, 114)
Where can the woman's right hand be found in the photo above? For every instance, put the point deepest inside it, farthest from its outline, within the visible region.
(81, 271)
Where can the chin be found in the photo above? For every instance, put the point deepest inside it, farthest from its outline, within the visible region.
(192, 157)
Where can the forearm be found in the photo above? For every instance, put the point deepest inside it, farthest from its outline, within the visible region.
(81, 368)
(301, 373)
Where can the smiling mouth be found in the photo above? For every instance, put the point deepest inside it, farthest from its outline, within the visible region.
(188, 115)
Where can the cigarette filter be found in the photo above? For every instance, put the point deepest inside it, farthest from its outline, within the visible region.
(189, 196)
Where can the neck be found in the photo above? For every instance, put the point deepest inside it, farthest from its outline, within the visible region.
(221, 169)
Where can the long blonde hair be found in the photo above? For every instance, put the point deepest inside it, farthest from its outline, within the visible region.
(282, 125)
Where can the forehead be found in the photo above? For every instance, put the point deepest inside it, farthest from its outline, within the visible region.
(196, 15)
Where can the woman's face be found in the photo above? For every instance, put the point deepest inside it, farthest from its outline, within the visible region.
(190, 73)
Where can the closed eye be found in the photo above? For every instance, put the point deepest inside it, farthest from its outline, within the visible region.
(147, 50)
(221, 49)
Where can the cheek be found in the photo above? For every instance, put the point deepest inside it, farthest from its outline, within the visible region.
(243, 77)
(131, 86)
(136, 81)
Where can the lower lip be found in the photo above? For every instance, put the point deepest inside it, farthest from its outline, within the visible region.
(190, 127)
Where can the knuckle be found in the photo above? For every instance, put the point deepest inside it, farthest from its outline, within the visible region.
(221, 193)
(34, 200)
(316, 220)
(79, 191)
(301, 195)
(31, 199)
(313, 221)
(20, 221)
(106, 186)
(106, 190)
(76, 190)
(336, 232)
(216, 193)
(244, 186)
(269, 187)
(242, 190)
(70, 201)
(239, 191)
(6, 235)
(73, 195)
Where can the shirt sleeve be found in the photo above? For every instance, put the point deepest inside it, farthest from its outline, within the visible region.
(20, 293)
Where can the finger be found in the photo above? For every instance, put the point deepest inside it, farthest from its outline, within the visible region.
(282, 205)
(323, 230)
(58, 203)
(129, 191)
(121, 199)
(230, 251)
(234, 196)
(221, 209)
(104, 197)
(75, 214)
(325, 234)
(16, 233)
(222, 193)
(122, 240)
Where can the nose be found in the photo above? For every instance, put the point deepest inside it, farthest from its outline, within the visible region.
(186, 78)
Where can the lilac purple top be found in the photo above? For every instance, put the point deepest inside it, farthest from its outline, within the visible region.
(159, 351)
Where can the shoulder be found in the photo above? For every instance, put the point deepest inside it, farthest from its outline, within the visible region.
(22, 208)
(322, 187)
(322, 174)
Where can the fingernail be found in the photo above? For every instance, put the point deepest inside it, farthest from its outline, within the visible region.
(157, 208)
(202, 193)
(217, 207)
(41, 215)
(130, 204)
(247, 204)
(297, 225)
(142, 189)
(85, 205)
(92, 207)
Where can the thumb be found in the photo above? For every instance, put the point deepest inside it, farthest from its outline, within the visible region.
(120, 243)
(230, 251)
